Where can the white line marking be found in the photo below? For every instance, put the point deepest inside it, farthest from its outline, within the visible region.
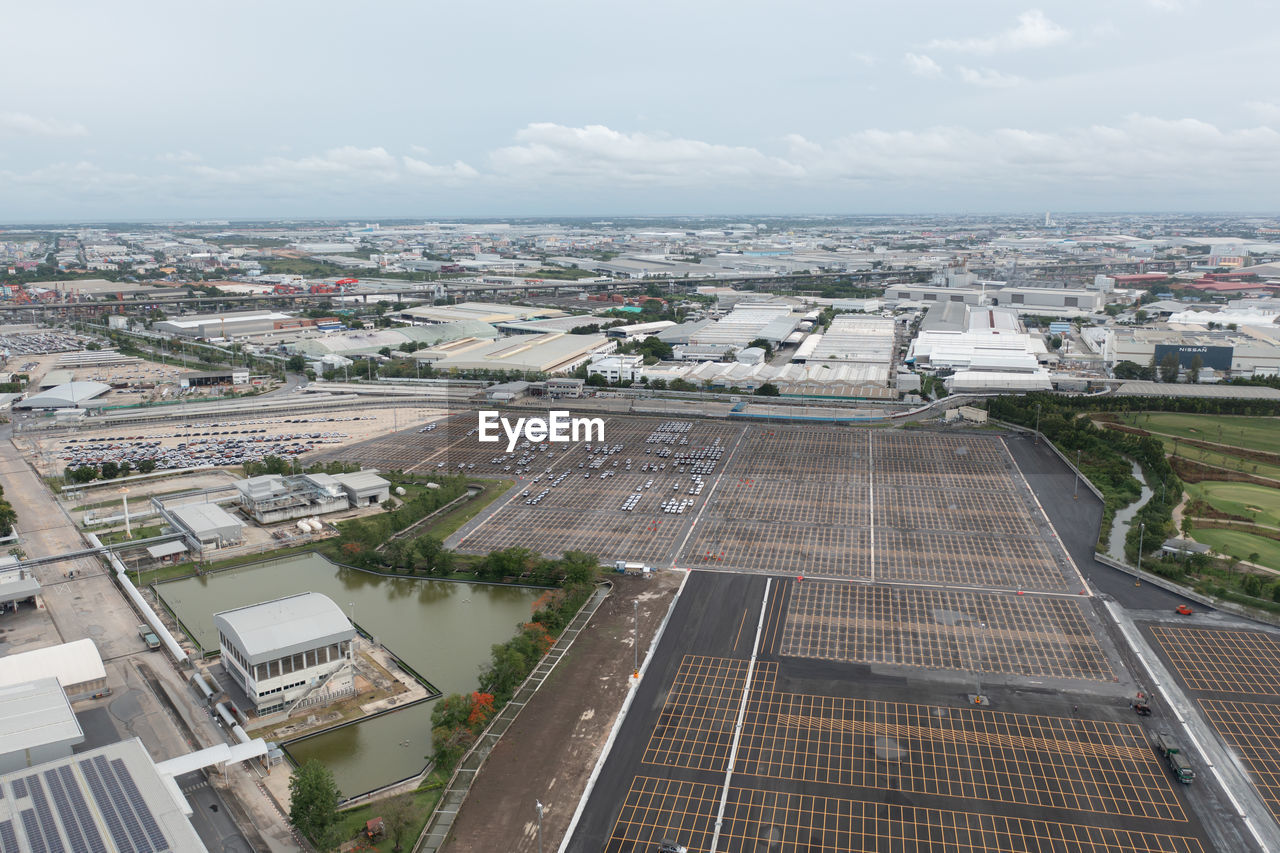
(675, 555)
(871, 497)
(742, 714)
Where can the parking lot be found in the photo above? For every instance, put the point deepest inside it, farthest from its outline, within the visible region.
(912, 508)
(841, 754)
(1235, 676)
(1033, 636)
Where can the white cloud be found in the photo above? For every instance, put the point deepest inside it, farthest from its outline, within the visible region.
(183, 156)
(552, 151)
(423, 169)
(921, 65)
(1268, 111)
(1033, 31)
(25, 124)
(988, 78)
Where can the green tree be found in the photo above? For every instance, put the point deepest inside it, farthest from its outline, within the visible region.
(296, 363)
(110, 470)
(764, 345)
(1056, 342)
(313, 800)
(397, 815)
(768, 389)
(1169, 368)
(1193, 372)
(579, 568)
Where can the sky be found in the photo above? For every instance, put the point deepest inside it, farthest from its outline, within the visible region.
(245, 110)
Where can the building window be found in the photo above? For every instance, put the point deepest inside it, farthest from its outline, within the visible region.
(1018, 299)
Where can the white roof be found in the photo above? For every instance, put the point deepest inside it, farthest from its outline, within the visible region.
(35, 714)
(72, 664)
(204, 518)
(284, 626)
(65, 396)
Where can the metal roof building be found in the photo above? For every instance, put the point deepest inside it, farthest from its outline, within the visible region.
(551, 353)
(36, 724)
(111, 799)
(67, 396)
(208, 525)
(77, 666)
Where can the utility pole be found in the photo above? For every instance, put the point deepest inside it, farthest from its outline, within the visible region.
(1142, 532)
(1075, 496)
(1037, 441)
(539, 804)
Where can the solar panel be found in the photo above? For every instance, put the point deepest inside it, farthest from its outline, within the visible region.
(34, 838)
(70, 820)
(139, 805)
(50, 826)
(81, 809)
(19, 788)
(122, 806)
(114, 826)
(8, 838)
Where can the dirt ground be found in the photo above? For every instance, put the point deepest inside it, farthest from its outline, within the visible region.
(549, 751)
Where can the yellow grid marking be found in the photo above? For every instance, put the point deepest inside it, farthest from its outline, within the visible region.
(1213, 659)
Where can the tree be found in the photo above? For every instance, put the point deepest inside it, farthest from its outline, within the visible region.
(110, 470)
(764, 345)
(768, 389)
(1193, 372)
(296, 363)
(1169, 368)
(313, 800)
(1056, 342)
(579, 568)
(1131, 370)
(397, 815)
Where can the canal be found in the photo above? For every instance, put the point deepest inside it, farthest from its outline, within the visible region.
(443, 629)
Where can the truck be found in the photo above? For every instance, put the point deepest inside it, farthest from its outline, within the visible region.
(1173, 756)
(624, 567)
(149, 637)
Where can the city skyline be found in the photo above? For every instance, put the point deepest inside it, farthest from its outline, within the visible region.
(569, 109)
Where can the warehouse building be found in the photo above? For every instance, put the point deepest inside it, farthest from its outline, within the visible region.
(272, 498)
(207, 526)
(69, 396)
(1248, 351)
(491, 313)
(113, 799)
(207, 378)
(550, 354)
(230, 325)
(77, 666)
(774, 322)
(287, 653)
(616, 368)
(36, 724)
(852, 338)
(17, 585)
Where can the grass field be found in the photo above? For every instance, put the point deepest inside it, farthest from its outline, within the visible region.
(1248, 432)
(1221, 459)
(1244, 499)
(1241, 545)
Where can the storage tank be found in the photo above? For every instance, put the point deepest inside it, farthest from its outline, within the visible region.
(304, 526)
(400, 491)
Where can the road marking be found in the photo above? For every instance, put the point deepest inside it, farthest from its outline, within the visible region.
(741, 623)
(710, 494)
(871, 498)
(742, 714)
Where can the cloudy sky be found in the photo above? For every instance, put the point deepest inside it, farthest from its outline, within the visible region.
(596, 107)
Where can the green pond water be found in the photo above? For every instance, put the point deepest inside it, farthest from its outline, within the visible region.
(442, 629)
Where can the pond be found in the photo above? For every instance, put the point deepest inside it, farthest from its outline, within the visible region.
(443, 629)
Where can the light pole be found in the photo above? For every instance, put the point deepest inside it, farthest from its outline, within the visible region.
(1075, 496)
(539, 804)
(1037, 441)
(351, 609)
(1142, 531)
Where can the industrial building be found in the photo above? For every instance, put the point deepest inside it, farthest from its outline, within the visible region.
(1248, 351)
(230, 325)
(365, 341)
(1039, 300)
(772, 321)
(563, 387)
(288, 653)
(77, 666)
(17, 585)
(113, 799)
(988, 349)
(272, 498)
(207, 378)
(69, 396)
(491, 313)
(549, 354)
(852, 339)
(616, 368)
(36, 724)
(207, 526)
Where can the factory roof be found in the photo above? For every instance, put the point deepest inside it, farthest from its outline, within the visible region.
(1221, 391)
(485, 312)
(360, 480)
(111, 799)
(285, 626)
(526, 353)
(34, 714)
(203, 518)
(71, 663)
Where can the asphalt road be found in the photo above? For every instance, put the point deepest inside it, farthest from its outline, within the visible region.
(1077, 522)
